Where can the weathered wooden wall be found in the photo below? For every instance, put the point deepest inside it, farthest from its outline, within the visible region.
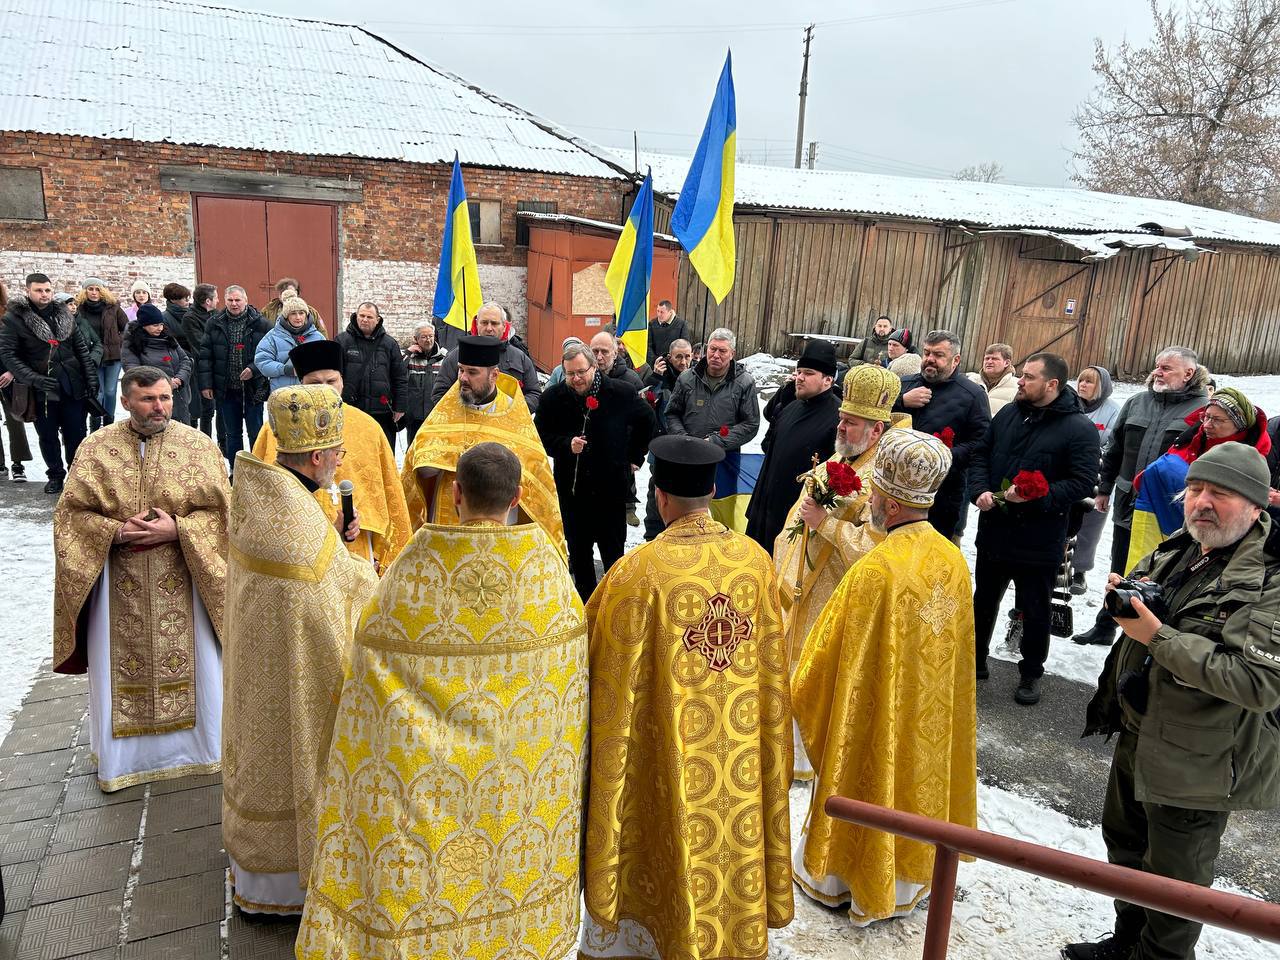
(832, 274)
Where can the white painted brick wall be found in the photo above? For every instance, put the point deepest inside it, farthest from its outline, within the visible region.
(69, 270)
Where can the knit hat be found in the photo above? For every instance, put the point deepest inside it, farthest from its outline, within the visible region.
(93, 282)
(910, 467)
(870, 392)
(149, 313)
(1235, 405)
(294, 305)
(1234, 466)
(903, 337)
(819, 355)
(305, 417)
(564, 344)
(139, 285)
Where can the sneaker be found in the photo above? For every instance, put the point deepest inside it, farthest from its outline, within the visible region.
(53, 487)
(632, 519)
(19, 473)
(1078, 586)
(1097, 635)
(1028, 692)
(1112, 948)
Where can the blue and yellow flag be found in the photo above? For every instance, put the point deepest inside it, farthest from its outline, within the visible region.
(703, 218)
(631, 271)
(736, 477)
(458, 283)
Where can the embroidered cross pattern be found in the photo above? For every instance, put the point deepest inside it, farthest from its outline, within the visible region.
(719, 634)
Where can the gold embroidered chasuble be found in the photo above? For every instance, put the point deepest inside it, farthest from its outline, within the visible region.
(454, 428)
(152, 639)
(688, 831)
(843, 538)
(885, 700)
(293, 599)
(378, 496)
(451, 820)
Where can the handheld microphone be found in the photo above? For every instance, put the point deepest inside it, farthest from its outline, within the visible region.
(345, 489)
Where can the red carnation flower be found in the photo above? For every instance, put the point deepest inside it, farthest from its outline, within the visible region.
(1031, 484)
(651, 397)
(54, 343)
(724, 431)
(947, 436)
(592, 403)
(1101, 426)
(239, 346)
(384, 400)
(842, 479)
(301, 339)
(166, 358)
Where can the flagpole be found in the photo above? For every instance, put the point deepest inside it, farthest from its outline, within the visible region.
(706, 308)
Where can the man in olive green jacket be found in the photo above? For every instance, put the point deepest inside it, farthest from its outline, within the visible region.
(1193, 690)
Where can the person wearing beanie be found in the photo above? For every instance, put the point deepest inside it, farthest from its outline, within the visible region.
(557, 374)
(293, 327)
(149, 342)
(139, 293)
(902, 361)
(96, 305)
(805, 429)
(1193, 690)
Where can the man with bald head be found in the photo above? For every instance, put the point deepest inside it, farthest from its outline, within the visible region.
(491, 320)
(604, 345)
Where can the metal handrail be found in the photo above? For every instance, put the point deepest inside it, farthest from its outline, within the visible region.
(1230, 911)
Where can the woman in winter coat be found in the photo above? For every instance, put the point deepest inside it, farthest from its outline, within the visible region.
(288, 288)
(294, 327)
(1094, 387)
(150, 344)
(139, 294)
(96, 305)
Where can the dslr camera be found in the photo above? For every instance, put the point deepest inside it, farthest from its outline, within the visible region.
(1119, 601)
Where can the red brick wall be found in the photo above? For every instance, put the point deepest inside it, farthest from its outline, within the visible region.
(104, 197)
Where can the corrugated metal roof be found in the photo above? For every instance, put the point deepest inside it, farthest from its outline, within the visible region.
(996, 205)
(169, 71)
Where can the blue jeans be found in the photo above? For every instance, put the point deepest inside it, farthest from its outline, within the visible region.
(109, 388)
(237, 415)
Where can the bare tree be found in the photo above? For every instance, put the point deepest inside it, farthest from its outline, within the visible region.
(990, 172)
(1192, 116)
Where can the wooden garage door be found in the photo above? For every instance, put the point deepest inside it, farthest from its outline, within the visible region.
(254, 243)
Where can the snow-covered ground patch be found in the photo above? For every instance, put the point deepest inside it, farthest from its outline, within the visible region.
(26, 599)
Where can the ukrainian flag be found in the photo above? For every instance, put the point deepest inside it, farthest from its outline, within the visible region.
(458, 283)
(736, 477)
(703, 218)
(630, 272)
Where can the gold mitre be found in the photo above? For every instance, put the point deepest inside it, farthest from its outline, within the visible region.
(910, 466)
(870, 392)
(305, 417)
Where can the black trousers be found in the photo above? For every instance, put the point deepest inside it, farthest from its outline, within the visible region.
(944, 516)
(60, 425)
(1033, 592)
(1120, 537)
(411, 425)
(588, 523)
(1164, 840)
(653, 524)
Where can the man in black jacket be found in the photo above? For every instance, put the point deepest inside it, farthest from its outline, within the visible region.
(805, 428)
(597, 431)
(664, 330)
(491, 321)
(45, 351)
(204, 300)
(953, 409)
(375, 378)
(1022, 539)
(227, 374)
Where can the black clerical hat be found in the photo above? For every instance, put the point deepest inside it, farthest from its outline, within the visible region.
(479, 351)
(818, 355)
(316, 355)
(685, 466)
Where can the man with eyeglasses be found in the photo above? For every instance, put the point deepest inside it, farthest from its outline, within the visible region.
(597, 430)
(367, 461)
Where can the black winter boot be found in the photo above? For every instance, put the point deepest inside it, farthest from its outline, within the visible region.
(1111, 948)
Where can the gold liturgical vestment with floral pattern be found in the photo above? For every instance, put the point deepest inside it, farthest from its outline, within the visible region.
(452, 814)
(152, 611)
(378, 496)
(688, 830)
(884, 696)
(453, 428)
(293, 599)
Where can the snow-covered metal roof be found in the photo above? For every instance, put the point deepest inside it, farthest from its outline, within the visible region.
(984, 205)
(537, 217)
(179, 72)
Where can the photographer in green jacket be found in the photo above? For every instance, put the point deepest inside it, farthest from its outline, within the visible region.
(1193, 690)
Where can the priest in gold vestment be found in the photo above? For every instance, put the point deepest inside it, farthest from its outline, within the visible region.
(293, 598)
(811, 565)
(369, 463)
(483, 405)
(140, 540)
(688, 829)
(452, 812)
(884, 694)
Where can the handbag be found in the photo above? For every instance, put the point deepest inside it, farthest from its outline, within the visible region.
(23, 402)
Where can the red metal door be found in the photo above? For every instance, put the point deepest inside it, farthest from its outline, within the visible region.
(302, 243)
(231, 245)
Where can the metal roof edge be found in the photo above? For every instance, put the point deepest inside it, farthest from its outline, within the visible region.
(586, 222)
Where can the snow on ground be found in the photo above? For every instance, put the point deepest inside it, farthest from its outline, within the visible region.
(26, 597)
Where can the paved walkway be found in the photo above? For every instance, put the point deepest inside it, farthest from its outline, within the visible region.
(135, 874)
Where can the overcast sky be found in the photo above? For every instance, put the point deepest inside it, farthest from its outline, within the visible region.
(958, 83)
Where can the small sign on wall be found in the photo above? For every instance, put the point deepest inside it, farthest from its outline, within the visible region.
(1070, 308)
(592, 321)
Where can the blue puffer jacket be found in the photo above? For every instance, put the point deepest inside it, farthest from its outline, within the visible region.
(272, 356)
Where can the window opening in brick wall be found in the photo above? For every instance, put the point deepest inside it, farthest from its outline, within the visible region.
(486, 221)
(22, 193)
(531, 206)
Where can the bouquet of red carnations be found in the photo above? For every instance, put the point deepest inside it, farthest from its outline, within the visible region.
(1030, 484)
(842, 482)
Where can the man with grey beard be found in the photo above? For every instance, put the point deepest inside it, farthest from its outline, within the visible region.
(1194, 693)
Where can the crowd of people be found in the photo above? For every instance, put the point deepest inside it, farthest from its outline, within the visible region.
(442, 724)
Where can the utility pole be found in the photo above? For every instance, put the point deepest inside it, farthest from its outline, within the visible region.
(804, 92)
(813, 153)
